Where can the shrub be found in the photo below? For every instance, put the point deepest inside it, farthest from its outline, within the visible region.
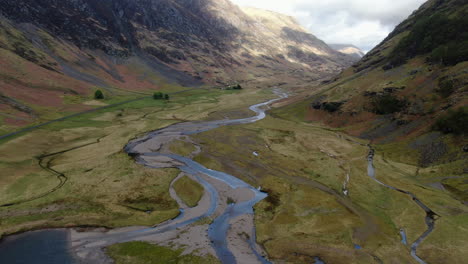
(387, 104)
(454, 122)
(98, 95)
(234, 87)
(230, 201)
(160, 96)
(332, 106)
(446, 87)
(157, 96)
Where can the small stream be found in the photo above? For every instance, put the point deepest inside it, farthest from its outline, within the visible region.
(430, 215)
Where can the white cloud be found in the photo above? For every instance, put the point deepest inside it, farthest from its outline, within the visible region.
(363, 23)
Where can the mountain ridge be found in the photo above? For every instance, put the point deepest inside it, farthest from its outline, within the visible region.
(128, 47)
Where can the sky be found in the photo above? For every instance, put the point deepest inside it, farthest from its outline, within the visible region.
(363, 23)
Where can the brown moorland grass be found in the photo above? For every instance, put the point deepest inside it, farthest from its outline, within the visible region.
(306, 219)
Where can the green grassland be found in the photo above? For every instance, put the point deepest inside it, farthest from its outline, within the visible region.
(188, 190)
(145, 253)
(303, 166)
(104, 187)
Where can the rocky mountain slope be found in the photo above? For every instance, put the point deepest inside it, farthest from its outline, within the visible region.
(55, 53)
(348, 49)
(409, 94)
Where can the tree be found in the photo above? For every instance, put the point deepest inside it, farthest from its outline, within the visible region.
(455, 122)
(98, 95)
(166, 96)
(388, 104)
(157, 96)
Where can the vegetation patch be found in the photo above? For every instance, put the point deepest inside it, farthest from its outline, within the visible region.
(189, 191)
(456, 122)
(445, 40)
(273, 198)
(387, 104)
(98, 95)
(148, 203)
(328, 106)
(160, 96)
(446, 87)
(458, 186)
(234, 87)
(145, 253)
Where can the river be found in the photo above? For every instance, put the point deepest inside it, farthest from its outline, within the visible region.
(54, 246)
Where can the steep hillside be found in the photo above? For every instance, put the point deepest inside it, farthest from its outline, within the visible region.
(348, 49)
(411, 88)
(54, 54)
(283, 37)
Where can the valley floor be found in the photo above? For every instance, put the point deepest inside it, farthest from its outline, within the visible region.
(321, 201)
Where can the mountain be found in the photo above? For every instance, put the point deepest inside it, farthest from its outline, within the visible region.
(410, 90)
(69, 48)
(348, 49)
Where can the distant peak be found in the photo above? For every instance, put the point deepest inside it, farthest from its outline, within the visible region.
(349, 49)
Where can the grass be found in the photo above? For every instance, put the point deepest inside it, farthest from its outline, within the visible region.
(105, 187)
(189, 191)
(145, 253)
(304, 166)
(182, 148)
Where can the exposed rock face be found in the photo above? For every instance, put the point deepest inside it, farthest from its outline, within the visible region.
(204, 38)
(115, 25)
(73, 47)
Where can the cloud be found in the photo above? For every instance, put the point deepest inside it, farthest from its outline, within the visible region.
(363, 23)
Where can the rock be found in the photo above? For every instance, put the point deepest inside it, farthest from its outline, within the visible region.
(370, 94)
(414, 72)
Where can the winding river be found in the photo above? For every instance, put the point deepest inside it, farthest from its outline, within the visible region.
(152, 150)
(143, 151)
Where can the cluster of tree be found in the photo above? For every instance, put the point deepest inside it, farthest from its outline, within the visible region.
(332, 106)
(387, 104)
(160, 96)
(455, 122)
(234, 87)
(328, 106)
(98, 95)
(443, 38)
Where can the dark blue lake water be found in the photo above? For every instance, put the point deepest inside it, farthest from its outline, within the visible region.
(37, 247)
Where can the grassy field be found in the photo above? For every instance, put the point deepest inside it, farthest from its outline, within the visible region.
(189, 191)
(303, 167)
(103, 186)
(145, 253)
